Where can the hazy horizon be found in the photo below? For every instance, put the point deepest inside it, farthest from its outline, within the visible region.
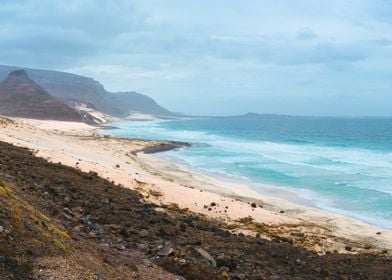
(330, 58)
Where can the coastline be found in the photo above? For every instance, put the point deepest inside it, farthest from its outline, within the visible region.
(269, 190)
(277, 216)
(300, 197)
(162, 182)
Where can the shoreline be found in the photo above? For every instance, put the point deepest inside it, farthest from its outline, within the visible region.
(280, 207)
(164, 183)
(300, 197)
(276, 191)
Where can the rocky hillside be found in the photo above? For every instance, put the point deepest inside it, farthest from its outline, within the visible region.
(57, 222)
(76, 89)
(22, 97)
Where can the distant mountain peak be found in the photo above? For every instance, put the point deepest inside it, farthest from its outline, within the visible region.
(132, 102)
(22, 97)
(20, 73)
(18, 79)
(252, 114)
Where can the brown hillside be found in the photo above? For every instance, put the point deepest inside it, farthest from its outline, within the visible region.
(60, 223)
(22, 97)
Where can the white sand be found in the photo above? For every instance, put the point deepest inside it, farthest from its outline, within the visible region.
(78, 145)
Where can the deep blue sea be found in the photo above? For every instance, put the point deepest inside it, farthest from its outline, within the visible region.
(338, 164)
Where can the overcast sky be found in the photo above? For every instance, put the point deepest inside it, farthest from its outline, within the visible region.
(217, 57)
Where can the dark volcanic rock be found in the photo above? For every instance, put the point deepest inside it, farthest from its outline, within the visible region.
(22, 97)
(126, 231)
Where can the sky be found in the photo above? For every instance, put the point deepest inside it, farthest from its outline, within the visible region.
(215, 57)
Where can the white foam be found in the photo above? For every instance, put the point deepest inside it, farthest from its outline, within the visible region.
(351, 167)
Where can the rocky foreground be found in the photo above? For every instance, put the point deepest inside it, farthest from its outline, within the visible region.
(57, 222)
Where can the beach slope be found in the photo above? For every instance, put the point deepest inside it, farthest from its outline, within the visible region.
(237, 211)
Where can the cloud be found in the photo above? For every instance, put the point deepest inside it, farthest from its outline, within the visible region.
(57, 32)
(190, 55)
(306, 34)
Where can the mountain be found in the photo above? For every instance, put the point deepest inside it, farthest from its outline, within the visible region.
(257, 115)
(22, 97)
(84, 91)
(133, 102)
(69, 87)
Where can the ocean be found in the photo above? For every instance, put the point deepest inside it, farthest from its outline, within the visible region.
(343, 165)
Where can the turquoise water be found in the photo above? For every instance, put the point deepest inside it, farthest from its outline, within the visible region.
(338, 164)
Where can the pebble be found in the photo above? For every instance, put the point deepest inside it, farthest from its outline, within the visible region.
(260, 242)
(68, 211)
(121, 247)
(143, 233)
(348, 248)
(239, 276)
(142, 247)
(126, 232)
(276, 277)
(166, 251)
(225, 274)
(195, 241)
(206, 255)
(68, 217)
(1, 229)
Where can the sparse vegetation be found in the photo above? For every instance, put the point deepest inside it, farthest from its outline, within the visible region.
(58, 244)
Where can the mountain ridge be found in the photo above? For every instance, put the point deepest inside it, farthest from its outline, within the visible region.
(130, 101)
(72, 88)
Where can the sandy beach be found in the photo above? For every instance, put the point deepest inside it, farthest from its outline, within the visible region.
(162, 182)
